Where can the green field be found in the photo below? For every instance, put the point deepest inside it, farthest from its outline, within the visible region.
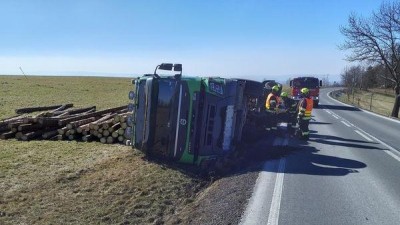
(63, 182)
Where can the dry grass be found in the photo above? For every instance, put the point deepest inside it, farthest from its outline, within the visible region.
(381, 103)
(45, 182)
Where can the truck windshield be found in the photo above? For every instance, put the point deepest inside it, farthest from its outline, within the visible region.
(164, 115)
(307, 82)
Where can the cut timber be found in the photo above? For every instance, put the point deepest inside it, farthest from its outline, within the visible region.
(50, 134)
(110, 140)
(103, 140)
(37, 109)
(124, 125)
(83, 128)
(7, 135)
(78, 123)
(63, 122)
(115, 134)
(60, 137)
(31, 135)
(106, 133)
(71, 137)
(121, 138)
(29, 127)
(62, 131)
(87, 138)
(95, 126)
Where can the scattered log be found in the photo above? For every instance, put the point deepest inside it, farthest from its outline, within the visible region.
(78, 123)
(29, 127)
(7, 135)
(50, 134)
(87, 138)
(31, 135)
(110, 140)
(37, 108)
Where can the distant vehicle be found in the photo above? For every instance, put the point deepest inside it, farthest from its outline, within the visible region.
(194, 120)
(312, 83)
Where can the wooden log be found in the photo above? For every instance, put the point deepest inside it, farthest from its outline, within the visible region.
(14, 130)
(62, 130)
(85, 132)
(63, 122)
(78, 123)
(121, 138)
(62, 108)
(124, 125)
(72, 132)
(116, 118)
(15, 124)
(83, 128)
(30, 127)
(102, 119)
(32, 135)
(106, 133)
(100, 130)
(103, 140)
(71, 137)
(114, 127)
(5, 128)
(36, 109)
(7, 135)
(81, 110)
(123, 117)
(50, 134)
(55, 138)
(121, 131)
(95, 132)
(115, 134)
(60, 137)
(11, 119)
(99, 135)
(19, 135)
(110, 140)
(87, 138)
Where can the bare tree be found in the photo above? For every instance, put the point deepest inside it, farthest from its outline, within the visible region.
(377, 40)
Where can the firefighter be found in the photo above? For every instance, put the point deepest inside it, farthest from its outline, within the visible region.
(291, 108)
(271, 106)
(304, 113)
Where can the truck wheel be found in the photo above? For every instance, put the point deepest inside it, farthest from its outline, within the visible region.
(316, 102)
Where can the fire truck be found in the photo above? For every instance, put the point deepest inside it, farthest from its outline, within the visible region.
(193, 120)
(312, 83)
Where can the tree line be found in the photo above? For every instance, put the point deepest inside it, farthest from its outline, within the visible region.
(375, 42)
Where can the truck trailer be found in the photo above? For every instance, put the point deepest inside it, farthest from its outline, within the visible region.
(193, 120)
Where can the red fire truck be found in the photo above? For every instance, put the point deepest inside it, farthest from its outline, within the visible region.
(312, 83)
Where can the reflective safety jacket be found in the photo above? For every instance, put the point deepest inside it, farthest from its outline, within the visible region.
(272, 102)
(305, 107)
(290, 105)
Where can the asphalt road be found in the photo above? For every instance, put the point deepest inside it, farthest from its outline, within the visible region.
(347, 173)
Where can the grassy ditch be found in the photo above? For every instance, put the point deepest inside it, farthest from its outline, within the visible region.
(378, 101)
(62, 182)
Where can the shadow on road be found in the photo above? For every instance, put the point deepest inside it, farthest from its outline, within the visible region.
(317, 137)
(319, 123)
(338, 107)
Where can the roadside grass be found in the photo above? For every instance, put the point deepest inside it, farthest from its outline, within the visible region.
(68, 182)
(373, 101)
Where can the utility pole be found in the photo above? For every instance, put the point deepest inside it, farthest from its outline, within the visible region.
(23, 73)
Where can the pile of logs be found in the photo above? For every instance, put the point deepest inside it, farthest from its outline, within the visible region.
(63, 122)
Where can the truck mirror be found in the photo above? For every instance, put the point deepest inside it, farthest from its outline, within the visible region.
(165, 66)
(132, 95)
(178, 67)
(320, 83)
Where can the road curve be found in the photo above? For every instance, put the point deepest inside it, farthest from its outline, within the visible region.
(347, 173)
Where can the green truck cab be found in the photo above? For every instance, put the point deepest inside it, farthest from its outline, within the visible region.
(191, 120)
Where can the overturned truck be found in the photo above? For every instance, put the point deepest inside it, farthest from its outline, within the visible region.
(194, 120)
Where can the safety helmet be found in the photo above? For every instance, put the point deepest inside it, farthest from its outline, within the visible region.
(304, 91)
(284, 95)
(275, 88)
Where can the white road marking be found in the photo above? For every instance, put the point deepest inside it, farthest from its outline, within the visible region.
(273, 217)
(329, 112)
(335, 116)
(345, 123)
(392, 151)
(363, 135)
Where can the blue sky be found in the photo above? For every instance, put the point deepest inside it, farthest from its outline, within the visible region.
(247, 38)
